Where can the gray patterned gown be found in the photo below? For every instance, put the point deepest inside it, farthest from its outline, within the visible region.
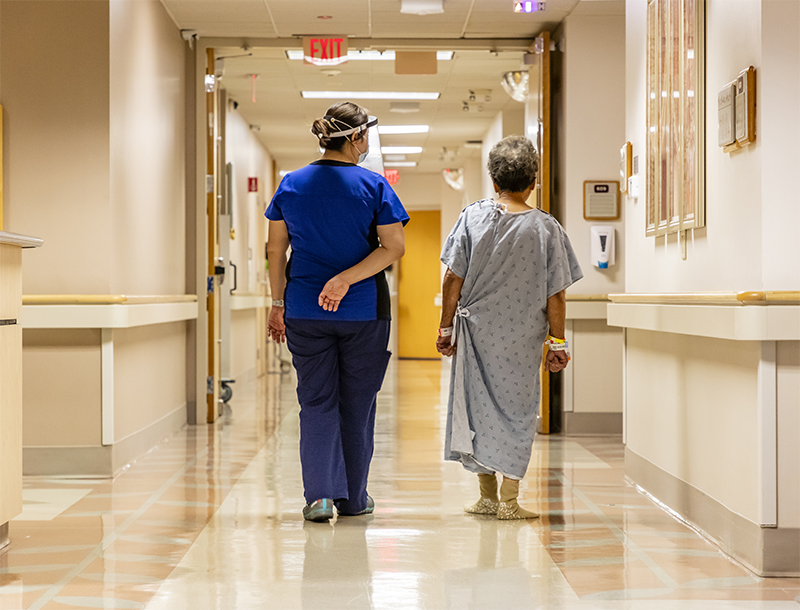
(511, 264)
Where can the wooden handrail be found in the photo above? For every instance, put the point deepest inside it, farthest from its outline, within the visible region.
(587, 297)
(104, 299)
(750, 297)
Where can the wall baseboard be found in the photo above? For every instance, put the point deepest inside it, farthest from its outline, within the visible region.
(766, 551)
(100, 461)
(592, 424)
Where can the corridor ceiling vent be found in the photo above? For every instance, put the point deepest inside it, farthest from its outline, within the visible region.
(516, 84)
(371, 95)
(422, 7)
(404, 107)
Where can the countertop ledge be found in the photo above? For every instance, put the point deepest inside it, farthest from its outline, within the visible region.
(24, 241)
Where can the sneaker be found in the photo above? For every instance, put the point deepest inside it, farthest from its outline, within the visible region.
(370, 507)
(319, 510)
(367, 511)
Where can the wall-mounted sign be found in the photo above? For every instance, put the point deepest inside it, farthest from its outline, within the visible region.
(252, 185)
(324, 50)
(392, 175)
(601, 200)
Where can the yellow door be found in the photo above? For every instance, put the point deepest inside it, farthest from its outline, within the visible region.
(419, 283)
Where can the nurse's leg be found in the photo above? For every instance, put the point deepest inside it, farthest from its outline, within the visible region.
(363, 359)
(316, 358)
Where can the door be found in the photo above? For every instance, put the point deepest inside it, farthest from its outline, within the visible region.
(419, 283)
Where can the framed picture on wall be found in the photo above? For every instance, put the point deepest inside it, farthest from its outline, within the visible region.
(675, 110)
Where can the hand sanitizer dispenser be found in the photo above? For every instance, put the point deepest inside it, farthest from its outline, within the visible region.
(603, 246)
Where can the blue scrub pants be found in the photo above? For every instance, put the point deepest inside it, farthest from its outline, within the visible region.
(340, 368)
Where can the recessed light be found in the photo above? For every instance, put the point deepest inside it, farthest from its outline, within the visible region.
(395, 158)
(400, 164)
(369, 55)
(401, 150)
(402, 129)
(370, 95)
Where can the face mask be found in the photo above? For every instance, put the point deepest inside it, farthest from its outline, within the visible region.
(363, 156)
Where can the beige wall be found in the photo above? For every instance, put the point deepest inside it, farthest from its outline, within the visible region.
(147, 204)
(779, 131)
(149, 370)
(61, 388)
(788, 360)
(95, 139)
(728, 253)
(54, 62)
(597, 367)
(590, 122)
(692, 411)
(249, 159)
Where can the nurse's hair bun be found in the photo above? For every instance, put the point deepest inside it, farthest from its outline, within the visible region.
(339, 117)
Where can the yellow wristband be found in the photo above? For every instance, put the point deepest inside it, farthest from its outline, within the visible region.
(552, 338)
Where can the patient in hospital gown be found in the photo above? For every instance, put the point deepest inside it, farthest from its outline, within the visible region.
(507, 268)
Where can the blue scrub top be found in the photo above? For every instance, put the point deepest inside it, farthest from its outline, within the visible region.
(332, 210)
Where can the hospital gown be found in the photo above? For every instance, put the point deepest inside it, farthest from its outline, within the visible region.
(511, 264)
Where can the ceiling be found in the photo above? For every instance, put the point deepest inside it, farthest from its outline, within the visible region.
(266, 28)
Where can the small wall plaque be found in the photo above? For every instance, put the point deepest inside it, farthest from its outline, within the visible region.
(601, 200)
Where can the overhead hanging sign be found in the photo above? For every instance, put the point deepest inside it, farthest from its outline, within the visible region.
(324, 50)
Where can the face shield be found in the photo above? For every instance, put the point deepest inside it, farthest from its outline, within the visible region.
(371, 122)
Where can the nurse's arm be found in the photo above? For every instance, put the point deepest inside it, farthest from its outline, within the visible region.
(277, 246)
(391, 249)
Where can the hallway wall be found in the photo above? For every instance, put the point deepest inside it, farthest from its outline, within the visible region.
(146, 144)
(249, 159)
(93, 93)
(715, 460)
(55, 71)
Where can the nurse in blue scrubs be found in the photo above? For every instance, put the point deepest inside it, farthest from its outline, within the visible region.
(344, 224)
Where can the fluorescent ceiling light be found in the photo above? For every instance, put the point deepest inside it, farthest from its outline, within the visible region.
(370, 95)
(370, 55)
(400, 164)
(422, 7)
(402, 129)
(401, 150)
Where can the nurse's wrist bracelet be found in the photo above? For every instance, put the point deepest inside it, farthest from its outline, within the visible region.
(446, 332)
(277, 303)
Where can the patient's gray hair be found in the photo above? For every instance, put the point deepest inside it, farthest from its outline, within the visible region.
(513, 164)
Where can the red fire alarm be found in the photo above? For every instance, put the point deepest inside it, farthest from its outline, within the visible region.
(391, 175)
(252, 185)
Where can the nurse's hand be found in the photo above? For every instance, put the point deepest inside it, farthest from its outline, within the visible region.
(333, 293)
(275, 326)
(445, 347)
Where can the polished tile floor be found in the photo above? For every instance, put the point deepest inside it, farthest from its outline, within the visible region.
(211, 519)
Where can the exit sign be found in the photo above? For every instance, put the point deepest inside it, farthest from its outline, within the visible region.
(324, 50)
(528, 7)
(392, 175)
